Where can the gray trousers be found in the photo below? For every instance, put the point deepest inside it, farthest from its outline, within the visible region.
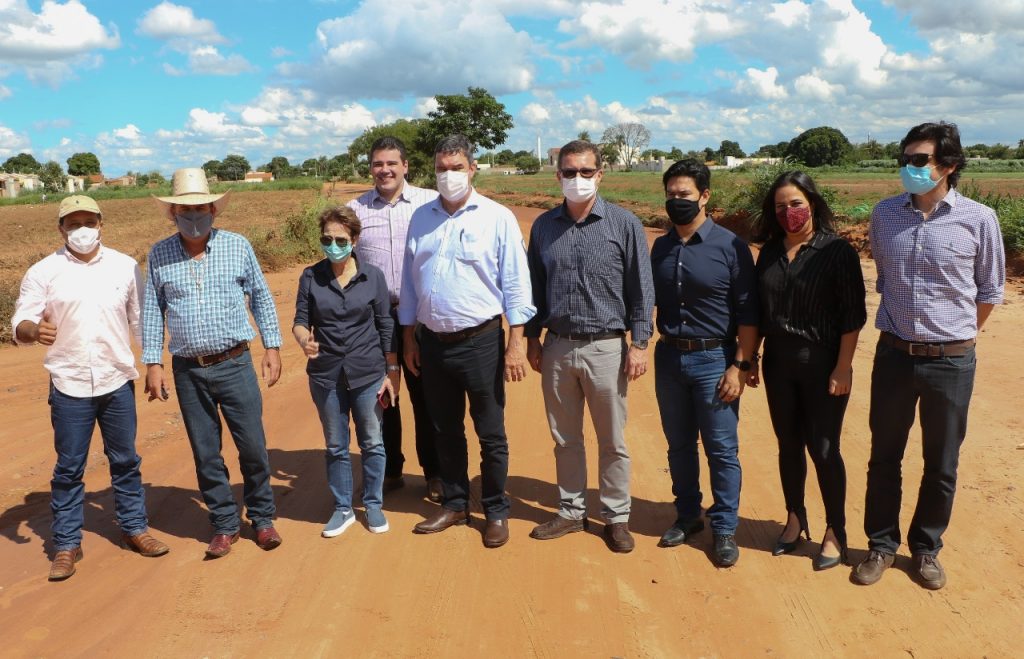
(574, 372)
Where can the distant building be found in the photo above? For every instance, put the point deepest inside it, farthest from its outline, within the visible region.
(258, 177)
(125, 181)
(12, 185)
(732, 161)
(74, 184)
(94, 180)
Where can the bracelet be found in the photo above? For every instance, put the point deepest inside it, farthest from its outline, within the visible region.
(394, 368)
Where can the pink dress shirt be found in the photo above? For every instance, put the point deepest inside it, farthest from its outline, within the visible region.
(95, 306)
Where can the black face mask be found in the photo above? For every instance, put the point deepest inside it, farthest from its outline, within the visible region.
(681, 211)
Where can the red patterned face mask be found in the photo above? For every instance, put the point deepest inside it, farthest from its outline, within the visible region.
(793, 218)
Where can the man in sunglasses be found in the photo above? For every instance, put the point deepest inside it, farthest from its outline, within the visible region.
(592, 284)
(199, 282)
(385, 212)
(941, 270)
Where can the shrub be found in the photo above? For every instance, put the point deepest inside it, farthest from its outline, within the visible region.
(1009, 210)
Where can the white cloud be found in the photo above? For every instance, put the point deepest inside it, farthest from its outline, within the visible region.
(129, 132)
(5, 92)
(423, 49)
(12, 143)
(278, 52)
(424, 106)
(209, 61)
(50, 45)
(788, 14)
(964, 15)
(762, 84)
(168, 21)
(534, 113)
(172, 70)
(811, 86)
(216, 125)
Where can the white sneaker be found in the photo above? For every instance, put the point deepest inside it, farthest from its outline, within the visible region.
(340, 520)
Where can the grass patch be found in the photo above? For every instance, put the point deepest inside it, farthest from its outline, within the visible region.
(296, 241)
(8, 297)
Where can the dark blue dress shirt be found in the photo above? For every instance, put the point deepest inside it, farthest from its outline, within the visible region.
(705, 287)
(352, 325)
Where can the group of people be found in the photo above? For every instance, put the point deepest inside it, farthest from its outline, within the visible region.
(416, 283)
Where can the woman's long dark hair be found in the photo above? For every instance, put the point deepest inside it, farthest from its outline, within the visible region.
(767, 226)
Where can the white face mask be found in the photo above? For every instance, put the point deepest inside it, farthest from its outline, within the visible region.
(84, 239)
(453, 185)
(578, 190)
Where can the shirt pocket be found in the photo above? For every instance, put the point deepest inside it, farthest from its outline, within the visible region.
(471, 249)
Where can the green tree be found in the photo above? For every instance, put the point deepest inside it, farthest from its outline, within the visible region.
(233, 168)
(999, 152)
(212, 168)
(1019, 154)
(730, 148)
(23, 163)
(630, 139)
(584, 135)
(610, 153)
(505, 157)
(653, 154)
(52, 176)
(977, 151)
(477, 115)
(709, 154)
(340, 165)
(528, 163)
(675, 154)
(83, 164)
(408, 131)
(819, 146)
(155, 177)
(279, 167)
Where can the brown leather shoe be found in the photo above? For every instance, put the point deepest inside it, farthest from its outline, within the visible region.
(928, 571)
(435, 489)
(144, 544)
(556, 527)
(221, 544)
(870, 570)
(442, 520)
(496, 533)
(63, 565)
(618, 538)
(267, 538)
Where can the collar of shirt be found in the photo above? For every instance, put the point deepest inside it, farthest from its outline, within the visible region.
(597, 211)
(378, 199)
(360, 275)
(471, 204)
(702, 232)
(950, 199)
(209, 244)
(70, 256)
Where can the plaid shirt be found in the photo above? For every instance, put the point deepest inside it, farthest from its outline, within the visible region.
(933, 273)
(204, 301)
(385, 228)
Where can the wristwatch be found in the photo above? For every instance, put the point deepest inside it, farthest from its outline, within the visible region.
(639, 345)
(394, 368)
(742, 365)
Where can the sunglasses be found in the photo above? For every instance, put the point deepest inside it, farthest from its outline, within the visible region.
(586, 172)
(915, 159)
(327, 240)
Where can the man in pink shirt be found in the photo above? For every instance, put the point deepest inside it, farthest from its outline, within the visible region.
(83, 301)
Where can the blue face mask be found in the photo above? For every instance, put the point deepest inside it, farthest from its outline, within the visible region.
(334, 253)
(194, 224)
(917, 180)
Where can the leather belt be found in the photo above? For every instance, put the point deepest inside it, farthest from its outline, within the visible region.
(462, 335)
(598, 336)
(216, 358)
(691, 345)
(948, 349)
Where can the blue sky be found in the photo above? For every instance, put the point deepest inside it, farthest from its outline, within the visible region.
(148, 85)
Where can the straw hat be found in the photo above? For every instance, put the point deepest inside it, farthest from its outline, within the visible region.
(189, 188)
(78, 202)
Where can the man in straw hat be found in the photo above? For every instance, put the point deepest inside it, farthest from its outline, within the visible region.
(82, 302)
(197, 287)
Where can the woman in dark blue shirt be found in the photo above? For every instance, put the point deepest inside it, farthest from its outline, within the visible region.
(811, 293)
(343, 323)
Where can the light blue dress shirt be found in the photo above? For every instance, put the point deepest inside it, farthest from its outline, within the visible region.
(463, 269)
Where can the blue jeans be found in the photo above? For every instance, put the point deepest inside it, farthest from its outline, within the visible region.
(73, 422)
(686, 384)
(334, 406)
(229, 388)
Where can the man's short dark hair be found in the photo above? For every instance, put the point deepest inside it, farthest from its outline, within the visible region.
(689, 168)
(579, 146)
(388, 143)
(948, 151)
(455, 144)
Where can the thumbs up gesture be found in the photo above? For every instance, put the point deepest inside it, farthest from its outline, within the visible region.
(311, 347)
(46, 332)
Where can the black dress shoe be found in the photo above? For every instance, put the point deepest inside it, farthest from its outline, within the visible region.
(442, 520)
(726, 552)
(822, 562)
(680, 532)
(783, 547)
(496, 533)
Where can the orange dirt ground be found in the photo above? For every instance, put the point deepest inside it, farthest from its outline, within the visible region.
(445, 595)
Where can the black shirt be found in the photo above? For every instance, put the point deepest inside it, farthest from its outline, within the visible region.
(705, 287)
(352, 325)
(819, 296)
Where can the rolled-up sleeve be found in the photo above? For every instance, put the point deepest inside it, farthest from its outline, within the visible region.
(152, 316)
(744, 284)
(514, 273)
(134, 306)
(990, 266)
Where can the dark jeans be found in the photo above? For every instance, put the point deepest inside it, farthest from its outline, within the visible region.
(941, 389)
(472, 368)
(426, 449)
(73, 422)
(229, 388)
(686, 385)
(806, 418)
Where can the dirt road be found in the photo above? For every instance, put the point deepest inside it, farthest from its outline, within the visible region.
(399, 594)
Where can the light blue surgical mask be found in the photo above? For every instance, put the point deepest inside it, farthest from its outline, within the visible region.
(917, 180)
(194, 224)
(334, 253)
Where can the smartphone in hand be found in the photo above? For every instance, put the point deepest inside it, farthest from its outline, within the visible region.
(384, 399)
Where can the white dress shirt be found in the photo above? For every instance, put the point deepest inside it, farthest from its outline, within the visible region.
(95, 306)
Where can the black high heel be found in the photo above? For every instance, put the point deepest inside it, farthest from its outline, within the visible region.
(826, 562)
(782, 547)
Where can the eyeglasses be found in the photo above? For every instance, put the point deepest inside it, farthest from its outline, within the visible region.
(586, 172)
(327, 240)
(915, 159)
